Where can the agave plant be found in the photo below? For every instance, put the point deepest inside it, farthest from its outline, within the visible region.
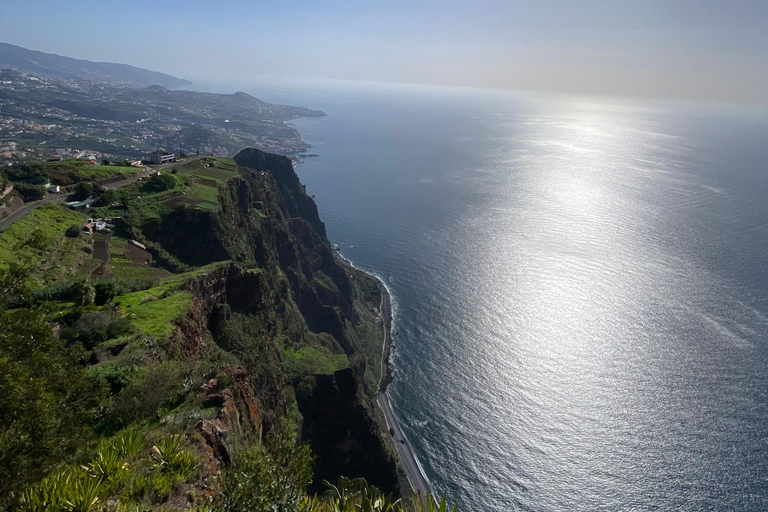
(131, 443)
(45, 496)
(83, 495)
(65, 491)
(170, 456)
(431, 505)
(357, 496)
(346, 490)
(108, 465)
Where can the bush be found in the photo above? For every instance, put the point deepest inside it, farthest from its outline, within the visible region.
(73, 231)
(150, 388)
(95, 327)
(105, 292)
(106, 198)
(165, 259)
(272, 476)
(47, 401)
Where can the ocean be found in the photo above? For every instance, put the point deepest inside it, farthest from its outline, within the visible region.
(581, 287)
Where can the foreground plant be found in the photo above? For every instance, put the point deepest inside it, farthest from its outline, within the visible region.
(357, 496)
(170, 456)
(65, 491)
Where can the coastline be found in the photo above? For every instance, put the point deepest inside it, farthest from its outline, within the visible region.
(413, 470)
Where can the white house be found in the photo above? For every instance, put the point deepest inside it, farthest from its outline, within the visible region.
(161, 157)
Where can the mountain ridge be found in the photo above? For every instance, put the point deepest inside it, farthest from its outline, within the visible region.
(51, 65)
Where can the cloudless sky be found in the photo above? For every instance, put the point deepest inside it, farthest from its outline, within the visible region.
(695, 49)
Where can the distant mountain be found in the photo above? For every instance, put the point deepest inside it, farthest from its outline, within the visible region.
(50, 65)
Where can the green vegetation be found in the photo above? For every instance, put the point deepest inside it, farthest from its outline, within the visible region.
(29, 192)
(70, 172)
(46, 224)
(152, 310)
(47, 403)
(313, 361)
(204, 193)
(212, 370)
(120, 467)
(160, 183)
(272, 476)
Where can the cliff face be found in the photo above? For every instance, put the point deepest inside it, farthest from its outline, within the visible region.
(296, 318)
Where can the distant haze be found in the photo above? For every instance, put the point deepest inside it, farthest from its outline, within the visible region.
(695, 49)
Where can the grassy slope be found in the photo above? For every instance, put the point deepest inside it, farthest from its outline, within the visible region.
(152, 310)
(49, 222)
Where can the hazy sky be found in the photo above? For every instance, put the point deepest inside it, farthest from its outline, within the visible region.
(690, 49)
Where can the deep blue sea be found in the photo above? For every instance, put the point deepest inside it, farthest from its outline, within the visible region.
(581, 287)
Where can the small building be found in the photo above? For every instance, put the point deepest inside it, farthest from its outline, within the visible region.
(54, 189)
(161, 157)
(76, 205)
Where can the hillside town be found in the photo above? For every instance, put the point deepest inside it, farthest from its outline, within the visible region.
(43, 119)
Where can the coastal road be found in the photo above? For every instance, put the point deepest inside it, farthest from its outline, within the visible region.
(413, 470)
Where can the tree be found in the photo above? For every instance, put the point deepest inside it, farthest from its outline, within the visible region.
(29, 192)
(83, 292)
(107, 197)
(82, 191)
(160, 183)
(47, 402)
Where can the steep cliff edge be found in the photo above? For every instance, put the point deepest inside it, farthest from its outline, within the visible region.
(298, 320)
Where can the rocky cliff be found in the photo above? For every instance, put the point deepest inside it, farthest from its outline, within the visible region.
(296, 318)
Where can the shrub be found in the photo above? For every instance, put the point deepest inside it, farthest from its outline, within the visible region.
(106, 198)
(272, 476)
(149, 389)
(73, 231)
(105, 291)
(83, 292)
(165, 259)
(47, 401)
(97, 326)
